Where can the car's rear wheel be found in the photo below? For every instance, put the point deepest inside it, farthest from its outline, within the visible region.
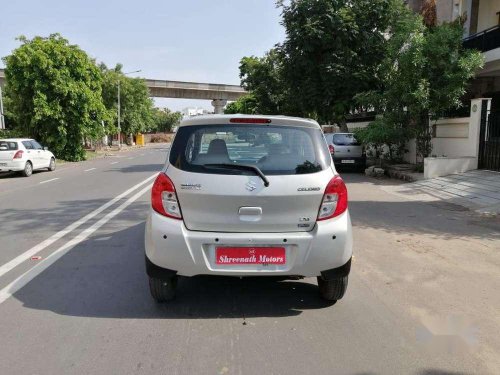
(163, 290)
(332, 289)
(28, 169)
(52, 165)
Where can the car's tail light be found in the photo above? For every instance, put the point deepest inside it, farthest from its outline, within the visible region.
(164, 199)
(332, 149)
(335, 199)
(18, 154)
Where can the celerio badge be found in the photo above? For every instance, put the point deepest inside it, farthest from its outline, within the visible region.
(309, 189)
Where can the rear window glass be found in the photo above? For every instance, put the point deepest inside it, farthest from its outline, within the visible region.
(28, 145)
(8, 146)
(345, 140)
(275, 150)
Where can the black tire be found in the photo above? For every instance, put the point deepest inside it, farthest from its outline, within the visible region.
(52, 165)
(28, 169)
(163, 290)
(334, 289)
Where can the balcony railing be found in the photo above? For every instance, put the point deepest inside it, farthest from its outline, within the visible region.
(485, 40)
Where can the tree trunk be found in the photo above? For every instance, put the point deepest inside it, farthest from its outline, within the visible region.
(343, 125)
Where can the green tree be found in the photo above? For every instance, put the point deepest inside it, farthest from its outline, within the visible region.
(54, 94)
(263, 77)
(137, 111)
(332, 52)
(425, 72)
(165, 119)
(246, 104)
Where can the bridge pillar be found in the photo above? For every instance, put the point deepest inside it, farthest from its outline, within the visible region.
(219, 105)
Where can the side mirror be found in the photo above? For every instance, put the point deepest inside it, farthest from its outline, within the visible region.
(46, 148)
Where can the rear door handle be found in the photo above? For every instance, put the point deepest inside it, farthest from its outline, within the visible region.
(250, 214)
(255, 211)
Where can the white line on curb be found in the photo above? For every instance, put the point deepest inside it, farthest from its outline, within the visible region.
(88, 170)
(52, 179)
(115, 162)
(29, 275)
(70, 228)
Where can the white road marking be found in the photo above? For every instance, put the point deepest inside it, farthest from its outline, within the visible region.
(130, 158)
(70, 228)
(52, 179)
(115, 162)
(29, 275)
(142, 154)
(90, 169)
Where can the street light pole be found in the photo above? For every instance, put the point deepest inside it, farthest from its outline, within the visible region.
(2, 121)
(119, 110)
(119, 126)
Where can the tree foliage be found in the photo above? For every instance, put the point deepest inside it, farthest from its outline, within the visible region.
(54, 94)
(246, 104)
(136, 106)
(425, 72)
(263, 77)
(332, 52)
(165, 119)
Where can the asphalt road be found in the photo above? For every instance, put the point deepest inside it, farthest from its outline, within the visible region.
(422, 298)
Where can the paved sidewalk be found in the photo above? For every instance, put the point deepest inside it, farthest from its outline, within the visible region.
(477, 190)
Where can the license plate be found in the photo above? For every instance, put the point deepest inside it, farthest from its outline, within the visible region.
(249, 255)
(3, 164)
(347, 162)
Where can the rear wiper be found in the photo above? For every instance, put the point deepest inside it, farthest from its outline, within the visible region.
(242, 167)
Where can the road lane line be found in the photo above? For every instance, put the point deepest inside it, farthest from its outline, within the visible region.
(29, 275)
(52, 179)
(115, 162)
(88, 170)
(142, 154)
(130, 158)
(70, 228)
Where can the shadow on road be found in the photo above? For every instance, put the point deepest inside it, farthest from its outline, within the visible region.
(104, 277)
(134, 168)
(437, 219)
(17, 175)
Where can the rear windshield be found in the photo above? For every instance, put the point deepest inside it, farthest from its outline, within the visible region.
(345, 140)
(275, 150)
(8, 146)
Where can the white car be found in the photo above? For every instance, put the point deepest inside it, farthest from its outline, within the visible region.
(248, 196)
(25, 155)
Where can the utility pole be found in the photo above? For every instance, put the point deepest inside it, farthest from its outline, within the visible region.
(2, 120)
(119, 125)
(119, 110)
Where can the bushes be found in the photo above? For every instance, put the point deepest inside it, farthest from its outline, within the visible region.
(12, 133)
(161, 138)
(386, 138)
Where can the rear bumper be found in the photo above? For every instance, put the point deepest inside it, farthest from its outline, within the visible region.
(172, 248)
(6, 166)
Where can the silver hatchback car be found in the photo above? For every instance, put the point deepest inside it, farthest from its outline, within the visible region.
(245, 196)
(346, 150)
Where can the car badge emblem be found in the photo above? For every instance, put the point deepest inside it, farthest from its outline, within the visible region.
(251, 186)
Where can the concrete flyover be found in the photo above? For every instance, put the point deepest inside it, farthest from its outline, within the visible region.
(219, 94)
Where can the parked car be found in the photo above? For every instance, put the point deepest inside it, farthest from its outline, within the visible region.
(248, 196)
(346, 150)
(25, 155)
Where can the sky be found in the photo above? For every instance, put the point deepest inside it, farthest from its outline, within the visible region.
(182, 40)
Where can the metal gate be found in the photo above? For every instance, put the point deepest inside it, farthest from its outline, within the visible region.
(489, 140)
